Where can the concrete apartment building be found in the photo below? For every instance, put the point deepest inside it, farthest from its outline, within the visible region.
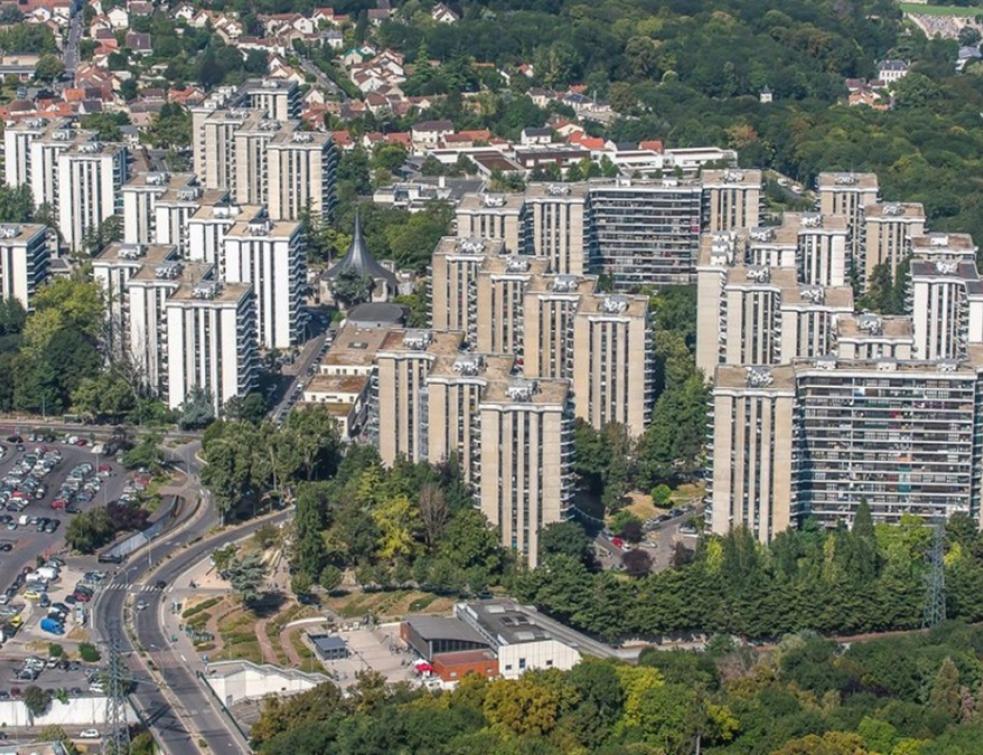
(454, 270)
(815, 437)
(112, 269)
(645, 232)
(525, 478)
(219, 156)
(502, 283)
(140, 196)
(732, 199)
(550, 305)
(403, 363)
(278, 99)
(946, 308)
(301, 169)
(174, 210)
(944, 247)
(211, 341)
(613, 367)
(456, 384)
(58, 137)
(870, 336)
(251, 173)
(90, 178)
(207, 229)
(809, 315)
(147, 292)
(23, 261)
(270, 256)
(822, 247)
(496, 217)
(221, 97)
(846, 195)
(557, 226)
(17, 140)
(773, 246)
(888, 231)
(751, 454)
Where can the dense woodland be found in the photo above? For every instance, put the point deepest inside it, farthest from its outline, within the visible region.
(913, 695)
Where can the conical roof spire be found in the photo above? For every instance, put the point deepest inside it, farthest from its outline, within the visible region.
(359, 258)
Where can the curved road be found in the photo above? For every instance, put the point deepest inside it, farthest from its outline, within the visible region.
(168, 717)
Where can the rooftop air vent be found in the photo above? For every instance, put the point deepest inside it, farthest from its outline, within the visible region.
(614, 304)
(516, 264)
(470, 245)
(468, 365)
(418, 340)
(759, 274)
(845, 179)
(759, 377)
(812, 294)
(520, 389)
(493, 200)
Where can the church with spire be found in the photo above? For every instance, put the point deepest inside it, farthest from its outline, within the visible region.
(359, 259)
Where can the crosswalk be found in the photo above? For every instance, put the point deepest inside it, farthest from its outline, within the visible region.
(136, 587)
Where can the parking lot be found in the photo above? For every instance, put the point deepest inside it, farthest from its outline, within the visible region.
(25, 541)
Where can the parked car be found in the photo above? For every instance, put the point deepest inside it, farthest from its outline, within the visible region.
(89, 734)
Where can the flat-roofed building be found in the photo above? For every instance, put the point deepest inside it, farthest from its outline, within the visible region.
(556, 226)
(23, 261)
(90, 177)
(821, 258)
(301, 169)
(946, 307)
(353, 351)
(219, 132)
(645, 232)
(732, 199)
(774, 246)
(252, 139)
(17, 140)
(140, 196)
(222, 97)
(750, 314)
(946, 247)
(278, 99)
(899, 435)
(174, 210)
(751, 483)
(613, 361)
(147, 292)
(718, 253)
(870, 336)
(454, 282)
(551, 303)
(114, 266)
(502, 283)
(403, 363)
(211, 342)
(207, 229)
(524, 475)
(888, 231)
(846, 195)
(497, 217)
(346, 397)
(808, 319)
(58, 136)
(270, 256)
(455, 386)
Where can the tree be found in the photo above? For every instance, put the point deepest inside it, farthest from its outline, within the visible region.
(637, 562)
(90, 530)
(247, 576)
(568, 539)
(661, 495)
(945, 696)
(49, 68)
(37, 700)
(197, 410)
(106, 396)
(524, 706)
(314, 434)
(350, 288)
(397, 521)
(89, 653)
(434, 513)
(146, 454)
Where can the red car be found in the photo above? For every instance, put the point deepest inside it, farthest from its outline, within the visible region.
(82, 597)
(58, 503)
(80, 442)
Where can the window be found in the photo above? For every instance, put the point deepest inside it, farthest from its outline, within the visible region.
(508, 666)
(522, 663)
(549, 663)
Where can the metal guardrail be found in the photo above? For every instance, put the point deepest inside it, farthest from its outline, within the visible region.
(221, 704)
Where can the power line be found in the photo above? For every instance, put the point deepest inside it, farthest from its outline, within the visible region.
(118, 737)
(935, 579)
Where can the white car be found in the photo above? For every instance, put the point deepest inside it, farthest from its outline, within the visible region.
(89, 734)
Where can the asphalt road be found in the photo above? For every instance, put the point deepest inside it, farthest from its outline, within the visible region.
(297, 372)
(71, 51)
(195, 704)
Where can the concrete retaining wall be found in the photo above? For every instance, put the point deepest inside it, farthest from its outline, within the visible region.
(82, 711)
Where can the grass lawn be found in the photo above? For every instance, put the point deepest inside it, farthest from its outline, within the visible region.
(940, 10)
(307, 660)
(238, 633)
